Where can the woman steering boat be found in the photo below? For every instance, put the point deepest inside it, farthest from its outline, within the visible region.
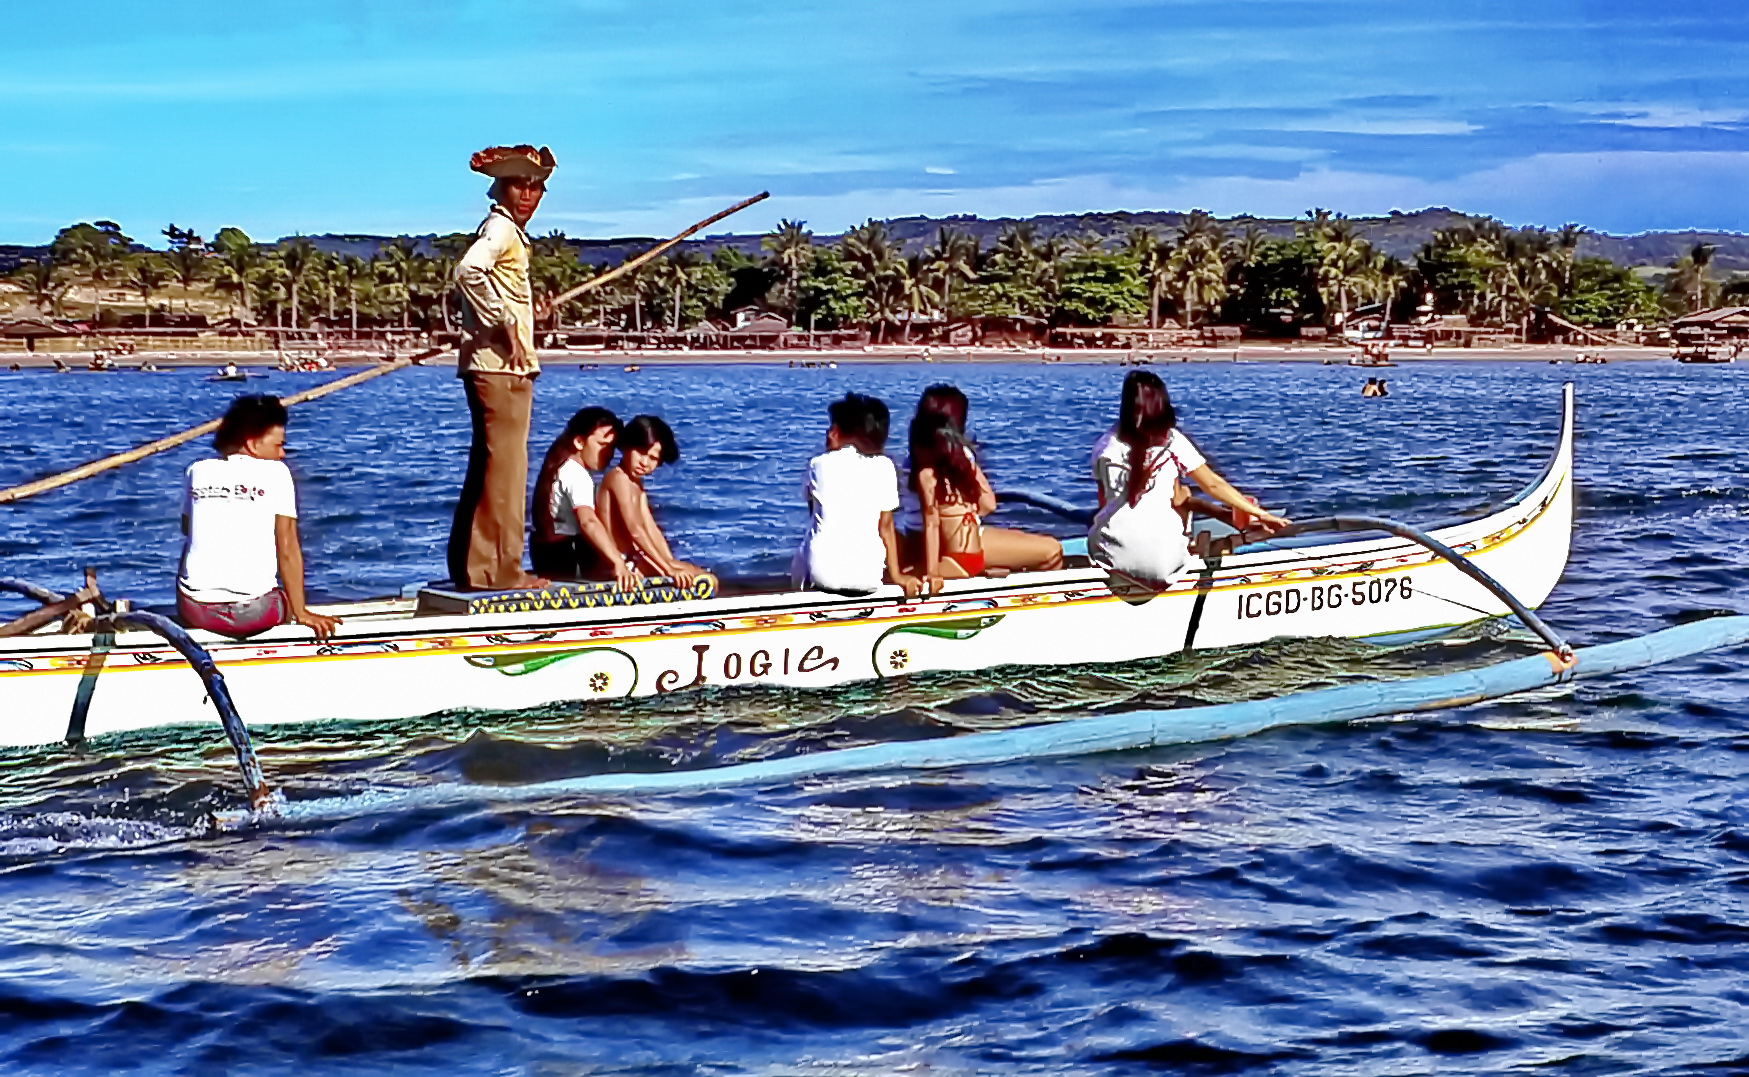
(1142, 530)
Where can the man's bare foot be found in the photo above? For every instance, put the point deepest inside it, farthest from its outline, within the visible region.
(528, 583)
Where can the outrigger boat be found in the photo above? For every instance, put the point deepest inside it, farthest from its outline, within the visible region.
(436, 650)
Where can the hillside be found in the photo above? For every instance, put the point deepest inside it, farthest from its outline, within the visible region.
(1400, 234)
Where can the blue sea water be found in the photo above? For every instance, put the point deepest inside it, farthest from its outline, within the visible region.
(1557, 883)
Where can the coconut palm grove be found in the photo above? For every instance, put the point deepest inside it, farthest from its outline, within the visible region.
(897, 280)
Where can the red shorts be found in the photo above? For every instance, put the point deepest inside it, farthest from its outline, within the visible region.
(239, 620)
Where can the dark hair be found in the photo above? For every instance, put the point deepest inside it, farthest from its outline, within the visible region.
(937, 444)
(587, 421)
(645, 431)
(862, 421)
(943, 399)
(1145, 421)
(247, 417)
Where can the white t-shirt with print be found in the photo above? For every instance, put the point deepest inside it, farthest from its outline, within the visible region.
(1147, 540)
(573, 488)
(847, 492)
(231, 553)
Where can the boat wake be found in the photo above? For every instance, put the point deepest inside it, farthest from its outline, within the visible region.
(30, 837)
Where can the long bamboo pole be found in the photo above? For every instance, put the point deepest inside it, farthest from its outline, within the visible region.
(108, 463)
(632, 263)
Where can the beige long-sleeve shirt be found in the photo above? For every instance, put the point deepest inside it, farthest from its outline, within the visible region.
(493, 279)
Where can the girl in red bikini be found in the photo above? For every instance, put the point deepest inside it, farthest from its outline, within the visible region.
(946, 476)
(954, 494)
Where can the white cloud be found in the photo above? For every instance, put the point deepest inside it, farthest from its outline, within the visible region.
(1669, 116)
(1356, 125)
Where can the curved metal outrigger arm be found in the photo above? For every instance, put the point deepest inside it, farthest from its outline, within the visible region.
(1345, 523)
(1458, 561)
(111, 616)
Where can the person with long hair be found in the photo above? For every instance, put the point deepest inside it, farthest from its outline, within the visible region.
(956, 495)
(570, 540)
(645, 444)
(1143, 527)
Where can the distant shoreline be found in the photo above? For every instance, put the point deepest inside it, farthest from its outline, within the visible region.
(572, 358)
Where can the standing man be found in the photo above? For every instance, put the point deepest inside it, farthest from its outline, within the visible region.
(497, 368)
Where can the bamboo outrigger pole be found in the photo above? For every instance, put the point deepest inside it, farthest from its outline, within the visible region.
(632, 263)
(97, 467)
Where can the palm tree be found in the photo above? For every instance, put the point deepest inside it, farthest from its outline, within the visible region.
(788, 251)
(922, 297)
(1027, 266)
(1385, 277)
(450, 249)
(239, 262)
(552, 265)
(1567, 247)
(1016, 250)
(1692, 277)
(398, 262)
(147, 273)
(1198, 263)
(888, 293)
(187, 259)
(1342, 260)
(300, 258)
(43, 281)
(349, 271)
(953, 256)
(93, 251)
(875, 262)
(1153, 262)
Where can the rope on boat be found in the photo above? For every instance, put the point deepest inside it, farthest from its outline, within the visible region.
(110, 616)
(1131, 731)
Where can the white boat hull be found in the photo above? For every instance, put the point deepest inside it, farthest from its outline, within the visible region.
(388, 664)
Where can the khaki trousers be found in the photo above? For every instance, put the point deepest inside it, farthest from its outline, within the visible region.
(485, 541)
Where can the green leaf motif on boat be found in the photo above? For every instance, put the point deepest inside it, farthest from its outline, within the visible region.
(522, 663)
(953, 628)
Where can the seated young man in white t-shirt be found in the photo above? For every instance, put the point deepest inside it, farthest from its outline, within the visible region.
(242, 568)
(853, 491)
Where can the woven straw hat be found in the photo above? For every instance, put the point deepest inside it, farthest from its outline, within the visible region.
(521, 162)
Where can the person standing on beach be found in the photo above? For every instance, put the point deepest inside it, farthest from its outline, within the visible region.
(497, 368)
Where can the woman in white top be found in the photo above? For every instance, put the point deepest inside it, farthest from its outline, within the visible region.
(570, 540)
(1143, 527)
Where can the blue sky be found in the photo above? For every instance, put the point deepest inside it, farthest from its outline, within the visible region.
(359, 115)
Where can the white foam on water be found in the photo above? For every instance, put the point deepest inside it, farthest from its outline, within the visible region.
(46, 833)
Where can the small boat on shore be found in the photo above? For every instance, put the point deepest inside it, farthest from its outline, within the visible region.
(435, 650)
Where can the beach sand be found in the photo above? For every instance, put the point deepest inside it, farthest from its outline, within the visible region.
(1261, 352)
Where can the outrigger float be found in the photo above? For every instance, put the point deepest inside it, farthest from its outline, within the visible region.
(84, 667)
